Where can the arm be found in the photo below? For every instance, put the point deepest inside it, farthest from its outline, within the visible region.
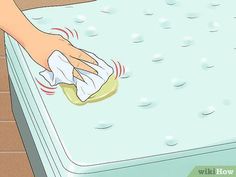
(38, 44)
(15, 23)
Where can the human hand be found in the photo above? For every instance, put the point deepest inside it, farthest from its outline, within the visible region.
(38, 44)
(43, 45)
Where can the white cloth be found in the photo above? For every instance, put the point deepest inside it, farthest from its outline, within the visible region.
(62, 72)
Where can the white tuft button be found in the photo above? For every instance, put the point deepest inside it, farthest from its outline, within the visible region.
(144, 102)
(157, 57)
(91, 31)
(103, 125)
(176, 82)
(107, 10)
(80, 19)
(214, 26)
(215, 3)
(171, 2)
(192, 15)
(148, 12)
(187, 41)
(137, 38)
(209, 110)
(205, 63)
(171, 141)
(164, 23)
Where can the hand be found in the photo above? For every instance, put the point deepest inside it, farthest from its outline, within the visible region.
(38, 44)
(43, 45)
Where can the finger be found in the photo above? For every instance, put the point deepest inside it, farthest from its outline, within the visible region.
(77, 75)
(46, 66)
(79, 54)
(81, 65)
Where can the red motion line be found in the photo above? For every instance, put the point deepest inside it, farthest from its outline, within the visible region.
(44, 85)
(120, 68)
(123, 69)
(116, 69)
(59, 29)
(70, 32)
(76, 33)
(47, 92)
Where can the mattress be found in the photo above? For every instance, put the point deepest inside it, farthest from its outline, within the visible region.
(175, 105)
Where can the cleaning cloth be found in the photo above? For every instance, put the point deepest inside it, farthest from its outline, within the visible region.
(62, 72)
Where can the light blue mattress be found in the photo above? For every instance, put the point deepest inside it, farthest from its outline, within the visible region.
(174, 108)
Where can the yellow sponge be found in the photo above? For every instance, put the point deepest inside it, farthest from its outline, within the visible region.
(107, 90)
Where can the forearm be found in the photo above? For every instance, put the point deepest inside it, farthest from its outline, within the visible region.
(15, 23)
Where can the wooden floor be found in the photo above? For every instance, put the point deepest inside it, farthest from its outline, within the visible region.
(13, 158)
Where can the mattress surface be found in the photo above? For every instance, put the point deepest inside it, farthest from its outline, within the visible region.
(177, 95)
